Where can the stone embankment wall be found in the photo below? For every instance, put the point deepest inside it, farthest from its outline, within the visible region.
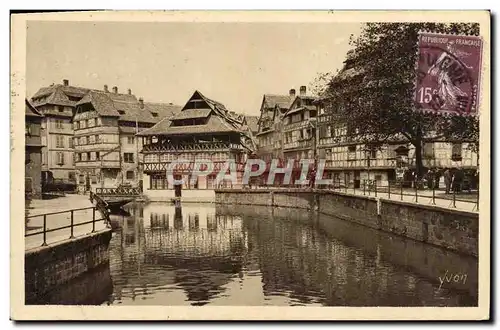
(451, 229)
(49, 266)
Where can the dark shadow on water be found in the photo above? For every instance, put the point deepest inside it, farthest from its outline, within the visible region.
(91, 288)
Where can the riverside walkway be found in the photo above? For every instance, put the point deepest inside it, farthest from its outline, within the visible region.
(65, 217)
(463, 201)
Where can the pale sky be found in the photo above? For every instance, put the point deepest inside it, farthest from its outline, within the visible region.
(233, 63)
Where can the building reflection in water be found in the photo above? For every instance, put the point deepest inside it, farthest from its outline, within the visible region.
(247, 255)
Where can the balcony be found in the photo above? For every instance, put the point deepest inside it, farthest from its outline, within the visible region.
(99, 146)
(361, 164)
(212, 146)
(295, 126)
(187, 167)
(300, 144)
(98, 164)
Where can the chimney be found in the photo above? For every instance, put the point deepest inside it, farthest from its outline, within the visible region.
(115, 90)
(292, 93)
(129, 91)
(106, 88)
(303, 90)
(141, 103)
(65, 82)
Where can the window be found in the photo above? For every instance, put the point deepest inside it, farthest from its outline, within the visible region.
(130, 140)
(60, 158)
(128, 157)
(93, 178)
(70, 142)
(28, 129)
(88, 139)
(59, 141)
(83, 124)
(76, 124)
(60, 108)
(456, 152)
(95, 122)
(59, 124)
(89, 156)
(72, 177)
(155, 114)
(130, 175)
(82, 179)
(121, 112)
(97, 139)
(351, 148)
(90, 122)
(80, 157)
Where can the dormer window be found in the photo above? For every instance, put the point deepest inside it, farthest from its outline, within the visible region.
(121, 112)
(155, 114)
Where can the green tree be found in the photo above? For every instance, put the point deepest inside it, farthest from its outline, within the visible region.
(373, 93)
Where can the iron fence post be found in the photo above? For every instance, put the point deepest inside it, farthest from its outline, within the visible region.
(345, 182)
(44, 230)
(401, 194)
(389, 189)
(477, 200)
(72, 219)
(375, 186)
(416, 191)
(364, 187)
(93, 219)
(433, 194)
(454, 205)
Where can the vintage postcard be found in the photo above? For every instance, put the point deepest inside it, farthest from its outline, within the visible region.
(232, 165)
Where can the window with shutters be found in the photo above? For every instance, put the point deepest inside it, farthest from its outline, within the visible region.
(59, 141)
(60, 158)
(130, 175)
(59, 124)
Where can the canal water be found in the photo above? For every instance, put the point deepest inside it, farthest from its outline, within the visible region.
(255, 256)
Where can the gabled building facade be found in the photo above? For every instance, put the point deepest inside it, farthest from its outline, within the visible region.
(269, 135)
(203, 130)
(349, 162)
(106, 147)
(33, 152)
(57, 104)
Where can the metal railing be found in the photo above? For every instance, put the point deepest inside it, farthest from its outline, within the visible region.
(71, 226)
(120, 191)
(394, 190)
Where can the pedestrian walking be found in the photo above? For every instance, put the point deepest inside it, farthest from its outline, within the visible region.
(447, 180)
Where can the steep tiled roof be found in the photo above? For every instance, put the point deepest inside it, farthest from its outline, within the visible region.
(253, 123)
(30, 110)
(128, 107)
(219, 121)
(164, 127)
(192, 113)
(58, 95)
(283, 101)
(101, 103)
(124, 106)
(162, 109)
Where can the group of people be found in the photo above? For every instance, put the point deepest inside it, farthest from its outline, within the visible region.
(455, 179)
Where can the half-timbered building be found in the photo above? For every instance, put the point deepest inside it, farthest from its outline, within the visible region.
(106, 147)
(203, 130)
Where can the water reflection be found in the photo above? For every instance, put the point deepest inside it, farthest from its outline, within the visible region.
(221, 255)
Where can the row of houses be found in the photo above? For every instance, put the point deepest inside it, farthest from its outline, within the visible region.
(91, 138)
(102, 138)
(296, 127)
